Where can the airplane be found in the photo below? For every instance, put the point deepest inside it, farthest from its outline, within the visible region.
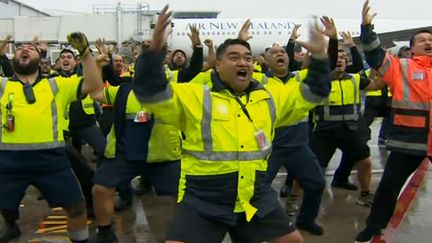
(266, 31)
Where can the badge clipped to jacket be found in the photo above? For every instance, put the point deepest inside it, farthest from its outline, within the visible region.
(142, 117)
(418, 76)
(262, 140)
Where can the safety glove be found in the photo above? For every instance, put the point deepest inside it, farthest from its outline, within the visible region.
(78, 41)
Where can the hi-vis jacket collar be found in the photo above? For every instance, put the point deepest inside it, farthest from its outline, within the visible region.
(333, 76)
(14, 78)
(425, 61)
(285, 79)
(218, 85)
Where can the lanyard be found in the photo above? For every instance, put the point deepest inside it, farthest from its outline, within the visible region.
(243, 107)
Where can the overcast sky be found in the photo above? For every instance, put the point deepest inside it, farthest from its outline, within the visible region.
(394, 9)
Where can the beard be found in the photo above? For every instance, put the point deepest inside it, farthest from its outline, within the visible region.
(25, 69)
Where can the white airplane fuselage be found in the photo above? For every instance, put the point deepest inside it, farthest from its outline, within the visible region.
(267, 31)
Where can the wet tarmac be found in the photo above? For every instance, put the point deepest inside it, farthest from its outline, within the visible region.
(149, 217)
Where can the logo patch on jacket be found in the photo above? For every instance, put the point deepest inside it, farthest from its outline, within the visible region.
(418, 76)
(222, 109)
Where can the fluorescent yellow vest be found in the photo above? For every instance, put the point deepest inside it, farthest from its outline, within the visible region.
(219, 140)
(88, 105)
(39, 125)
(165, 140)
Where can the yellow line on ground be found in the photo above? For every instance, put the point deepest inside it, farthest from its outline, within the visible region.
(56, 217)
(63, 222)
(45, 230)
(54, 222)
(50, 239)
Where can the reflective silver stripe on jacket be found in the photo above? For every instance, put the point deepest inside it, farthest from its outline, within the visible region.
(54, 112)
(406, 145)
(297, 75)
(38, 146)
(130, 116)
(170, 75)
(264, 80)
(158, 97)
(208, 153)
(369, 47)
(206, 121)
(354, 116)
(272, 109)
(383, 69)
(410, 105)
(4, 80)
(405, 103)
(309, 95)
(3, 85)
(31, 146)
(229, 156)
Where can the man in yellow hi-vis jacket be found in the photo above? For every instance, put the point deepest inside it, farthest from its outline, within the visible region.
(228, 131)
(32, 119)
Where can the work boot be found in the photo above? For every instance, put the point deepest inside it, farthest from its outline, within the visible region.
(108, 236)
(366, 235)
(9, 232)
(285, 191)
(365, 199)
(291, 205)
(345, 185)
(312, 228)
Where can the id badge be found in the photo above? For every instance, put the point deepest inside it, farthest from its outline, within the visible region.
(262, 140)
(141, 117)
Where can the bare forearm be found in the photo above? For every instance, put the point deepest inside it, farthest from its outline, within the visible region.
(92, 76)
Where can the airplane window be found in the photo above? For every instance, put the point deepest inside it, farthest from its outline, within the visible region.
(213, 33)
(269, 32)
(183, 33)
(223, 33)
(233, 33)
(257, 32)
(217, 33)
(253, 32)
(208, 33)
(280, 32)
(178, 34)
(265, 32)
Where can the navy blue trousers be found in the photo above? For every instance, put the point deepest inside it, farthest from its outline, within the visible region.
(303, 166)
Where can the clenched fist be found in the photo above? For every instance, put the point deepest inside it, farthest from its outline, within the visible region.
(78, 41)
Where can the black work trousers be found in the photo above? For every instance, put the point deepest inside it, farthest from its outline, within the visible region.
(302, 166)
(398, 168)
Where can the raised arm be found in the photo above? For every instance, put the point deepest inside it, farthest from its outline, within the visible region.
(331, 32)
(357, 61)
(4, 61)
(244, 31)
(371, 45)
(150, 83)
(293, 65)
(211, 56)
(92, 77)
(313, 89)
(196, 62)
(316, 85)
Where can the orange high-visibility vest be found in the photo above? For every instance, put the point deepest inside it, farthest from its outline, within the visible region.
(410, 82)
